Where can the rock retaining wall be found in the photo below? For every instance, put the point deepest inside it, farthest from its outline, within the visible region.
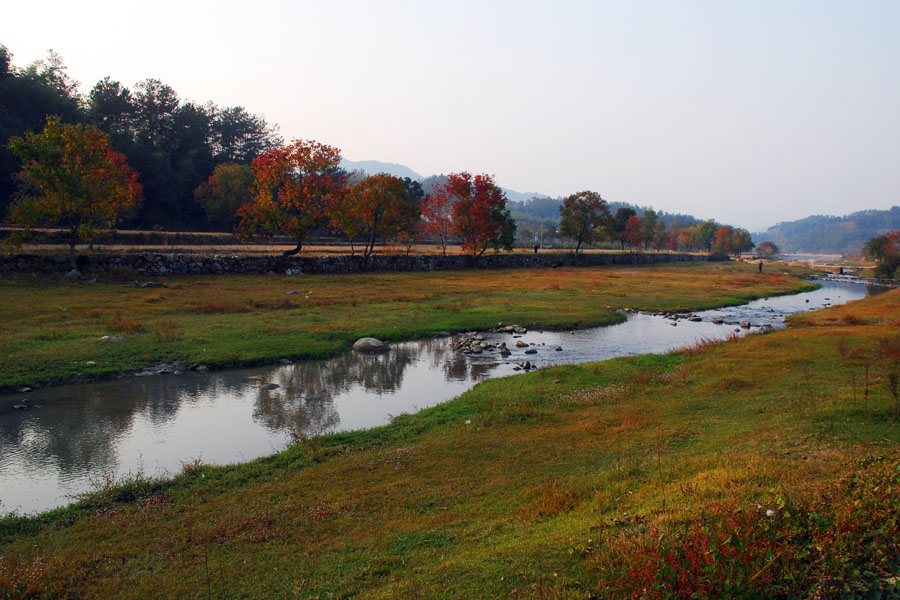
(148, 263)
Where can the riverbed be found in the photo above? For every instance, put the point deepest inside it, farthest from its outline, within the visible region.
(71, 437)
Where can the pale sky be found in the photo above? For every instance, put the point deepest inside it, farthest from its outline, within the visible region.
(748, 112)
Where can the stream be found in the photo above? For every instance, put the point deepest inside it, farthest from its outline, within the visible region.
(72, 437)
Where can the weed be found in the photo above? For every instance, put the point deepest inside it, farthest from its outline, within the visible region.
(125, 325)
(209, 306)
(21, 578)
(167, 331)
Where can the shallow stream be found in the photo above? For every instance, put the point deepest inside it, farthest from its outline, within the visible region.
(72, 436)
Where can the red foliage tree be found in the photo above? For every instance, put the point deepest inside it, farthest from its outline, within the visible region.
(71, 178)
(296, 186)
(437, 217)
(479, 214)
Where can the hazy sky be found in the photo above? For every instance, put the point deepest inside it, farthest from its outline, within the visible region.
(746, 112)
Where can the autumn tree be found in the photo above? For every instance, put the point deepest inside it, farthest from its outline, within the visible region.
(673, 235)
(437, 216)
(72, 179)
(227, 189)
(411, 215)
(633, 235)
(295, 185)
(724, 239)
(379, 203)
(583, 217)
(480, 216)
(767, 249)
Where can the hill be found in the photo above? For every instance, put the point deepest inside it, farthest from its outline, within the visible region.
(829, 234)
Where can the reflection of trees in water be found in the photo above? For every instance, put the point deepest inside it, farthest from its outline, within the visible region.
(305, 399)
(77, 428)
(78, 435)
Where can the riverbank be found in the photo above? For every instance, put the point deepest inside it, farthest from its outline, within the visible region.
(763, 466)
(54, 330)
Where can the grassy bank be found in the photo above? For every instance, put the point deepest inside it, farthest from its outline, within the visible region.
(52, 329)
(761, 467)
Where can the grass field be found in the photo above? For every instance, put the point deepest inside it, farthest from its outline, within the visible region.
(762, 467)
(52, 330)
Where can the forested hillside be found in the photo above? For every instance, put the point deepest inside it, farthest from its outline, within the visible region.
(831, 235)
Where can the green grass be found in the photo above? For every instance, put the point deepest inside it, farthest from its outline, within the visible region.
(51, 330)
(636, 477)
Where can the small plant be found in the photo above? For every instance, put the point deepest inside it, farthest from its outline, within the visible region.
(125, 325)
(167, 331)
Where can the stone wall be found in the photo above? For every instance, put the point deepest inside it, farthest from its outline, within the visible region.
(148, 263)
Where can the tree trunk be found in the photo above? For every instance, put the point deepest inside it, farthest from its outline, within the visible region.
(72, 255)
(578, 246)
(294, 250)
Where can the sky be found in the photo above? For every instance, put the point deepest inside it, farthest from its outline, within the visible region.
(747, 112)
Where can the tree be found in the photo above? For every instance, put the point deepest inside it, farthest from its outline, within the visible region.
(437, 216)
(767, 249)
(724, 239)
(479, 212)
(618, 223)
(240, 136)
(379, 203)
(72, 179)
(741, 241)
(583, 216)
(706, 234)
(27, 97)
(885, 249)
(295, 185)
(673, 235)
(633, 235)
(649, 229)
(227, 189)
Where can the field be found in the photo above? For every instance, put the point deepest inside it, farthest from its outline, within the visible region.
(766, 466)
(52, 329)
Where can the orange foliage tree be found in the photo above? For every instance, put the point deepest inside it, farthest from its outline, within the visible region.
(380, 204)
(724, 238)
(72, 179)
(633, 235)
(295, 188)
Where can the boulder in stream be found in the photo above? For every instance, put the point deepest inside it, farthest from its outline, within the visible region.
(370, 345)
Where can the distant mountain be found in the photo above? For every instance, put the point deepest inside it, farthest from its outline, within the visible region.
(831, 235)
(374, 167)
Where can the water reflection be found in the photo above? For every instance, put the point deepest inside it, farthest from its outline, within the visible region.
(154, 423)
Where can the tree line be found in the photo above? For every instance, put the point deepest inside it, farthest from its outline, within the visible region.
(173, 144)
(154, 159)
(586, 219)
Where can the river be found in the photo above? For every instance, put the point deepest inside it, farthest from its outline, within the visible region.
(75, 435)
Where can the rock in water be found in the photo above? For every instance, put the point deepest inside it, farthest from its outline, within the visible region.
(368, 344)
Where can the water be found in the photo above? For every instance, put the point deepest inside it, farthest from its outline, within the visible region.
(75, 434)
